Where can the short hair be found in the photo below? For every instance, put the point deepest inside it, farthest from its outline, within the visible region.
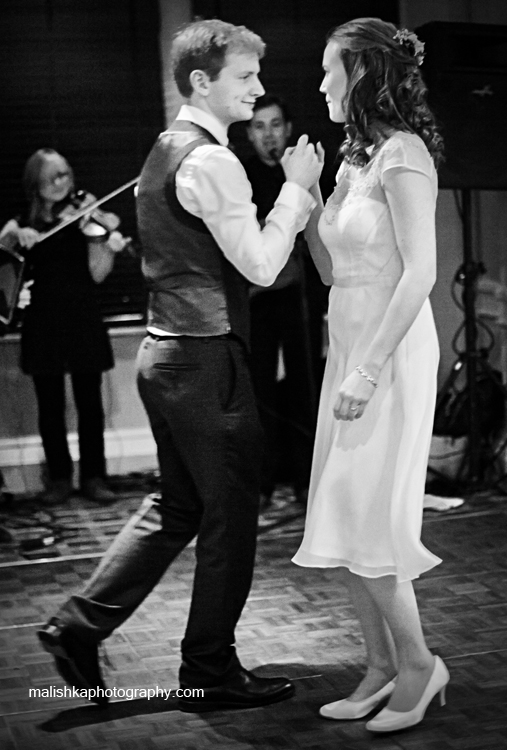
(272, 100)
(203, 45)
(384, 88)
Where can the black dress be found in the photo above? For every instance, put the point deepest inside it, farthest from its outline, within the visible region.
(62, 328)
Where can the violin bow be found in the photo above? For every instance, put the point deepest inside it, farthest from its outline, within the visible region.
(87, 209)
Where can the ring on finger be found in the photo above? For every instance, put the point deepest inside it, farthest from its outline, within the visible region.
(353, 408)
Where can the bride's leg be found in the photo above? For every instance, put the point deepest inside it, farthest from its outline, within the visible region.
(380, 652)
(398, 605)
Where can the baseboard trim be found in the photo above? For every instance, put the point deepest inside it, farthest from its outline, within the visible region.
(127, 450)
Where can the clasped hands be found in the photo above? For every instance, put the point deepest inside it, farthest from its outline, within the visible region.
(303, 163)
(27, 237)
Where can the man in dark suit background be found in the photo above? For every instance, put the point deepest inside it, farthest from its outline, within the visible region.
(286, 318)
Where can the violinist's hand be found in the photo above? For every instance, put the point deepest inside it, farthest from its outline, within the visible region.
(86, 200)
(116, 242)
(27, 237)
(25, 295)
(70, 210)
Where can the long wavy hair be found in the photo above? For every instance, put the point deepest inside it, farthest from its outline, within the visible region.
(32, 182)
(385, 89)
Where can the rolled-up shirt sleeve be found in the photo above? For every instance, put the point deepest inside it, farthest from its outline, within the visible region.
(212, 185)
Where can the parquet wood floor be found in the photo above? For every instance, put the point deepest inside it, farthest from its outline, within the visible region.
(297, 622)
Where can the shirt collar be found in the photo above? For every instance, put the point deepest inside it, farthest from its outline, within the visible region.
(205, 120)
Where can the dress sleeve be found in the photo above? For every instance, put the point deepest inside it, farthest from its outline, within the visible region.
(407, 153)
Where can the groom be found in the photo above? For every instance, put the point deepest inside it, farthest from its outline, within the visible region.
(201, 243)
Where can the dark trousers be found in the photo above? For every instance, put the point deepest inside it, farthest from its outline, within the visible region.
(50, 392)
(278, 320)
(200, 404)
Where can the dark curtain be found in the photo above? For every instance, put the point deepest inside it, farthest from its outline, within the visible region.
(83, 78)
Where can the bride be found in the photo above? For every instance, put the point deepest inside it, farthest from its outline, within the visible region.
(374, 243)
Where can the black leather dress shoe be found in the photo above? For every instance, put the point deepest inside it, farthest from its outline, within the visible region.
(244, 690)
(76, 661)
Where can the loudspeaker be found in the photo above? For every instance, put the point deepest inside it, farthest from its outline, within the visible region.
(465, 69)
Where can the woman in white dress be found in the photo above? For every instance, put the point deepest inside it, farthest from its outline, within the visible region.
(374, 242)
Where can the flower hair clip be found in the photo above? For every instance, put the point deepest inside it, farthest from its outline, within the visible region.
(410, 41)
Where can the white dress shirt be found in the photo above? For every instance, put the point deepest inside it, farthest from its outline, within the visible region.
(212, 185)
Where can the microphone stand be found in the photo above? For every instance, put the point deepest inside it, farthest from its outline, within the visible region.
(307, 363)
(273, 152)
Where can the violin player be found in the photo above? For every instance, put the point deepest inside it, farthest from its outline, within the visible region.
(62, 330)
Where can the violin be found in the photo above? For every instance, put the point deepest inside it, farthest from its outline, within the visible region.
(96, 223)
(88, 208)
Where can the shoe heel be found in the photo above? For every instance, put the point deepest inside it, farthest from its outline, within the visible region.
(52, 645)
(442, 696)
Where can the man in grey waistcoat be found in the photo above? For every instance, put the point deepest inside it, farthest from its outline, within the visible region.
(201, 246)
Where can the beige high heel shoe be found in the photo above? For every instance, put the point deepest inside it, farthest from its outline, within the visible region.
(390, 721)
(346, 709)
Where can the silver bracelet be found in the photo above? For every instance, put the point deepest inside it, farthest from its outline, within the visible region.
(368, 377)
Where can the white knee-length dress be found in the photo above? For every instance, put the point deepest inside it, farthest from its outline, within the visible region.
(366, 491)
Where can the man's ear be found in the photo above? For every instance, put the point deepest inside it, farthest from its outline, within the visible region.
(288, 125)
(249, 131)
(199, 80)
